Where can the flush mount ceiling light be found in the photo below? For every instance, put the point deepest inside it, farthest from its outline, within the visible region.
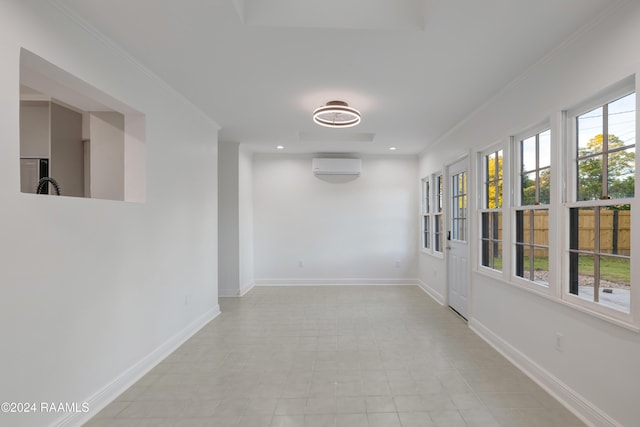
(336, 114)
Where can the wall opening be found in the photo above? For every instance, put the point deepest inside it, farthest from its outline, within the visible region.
(76, 140)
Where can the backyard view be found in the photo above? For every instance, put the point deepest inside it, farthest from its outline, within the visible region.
(599, 228)
(600, 246)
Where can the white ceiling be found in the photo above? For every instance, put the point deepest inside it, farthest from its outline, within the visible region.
(414, 68)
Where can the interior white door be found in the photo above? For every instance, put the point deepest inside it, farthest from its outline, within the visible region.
(457, 237)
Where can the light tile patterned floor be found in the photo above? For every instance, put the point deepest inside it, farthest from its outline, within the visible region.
(370, 356)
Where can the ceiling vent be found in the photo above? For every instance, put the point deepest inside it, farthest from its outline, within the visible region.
(335, 166)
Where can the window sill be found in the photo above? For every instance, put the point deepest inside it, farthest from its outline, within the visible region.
(546, 294)
(438, 255)
(490, 272)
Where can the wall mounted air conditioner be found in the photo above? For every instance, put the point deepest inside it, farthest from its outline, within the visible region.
(334, 166)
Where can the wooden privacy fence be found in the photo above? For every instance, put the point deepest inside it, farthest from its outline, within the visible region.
(615, 231)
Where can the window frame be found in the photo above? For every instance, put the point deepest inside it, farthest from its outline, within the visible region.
(562, 188)
(624, 88)
(438, 214)
(458, 217)
(426, 226)
(516, 158)
(429, 215)
(483, 209)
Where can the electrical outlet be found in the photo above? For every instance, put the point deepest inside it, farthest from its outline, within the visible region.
(559, 342)
(300, 263)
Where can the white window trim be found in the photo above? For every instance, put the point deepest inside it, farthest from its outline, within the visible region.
(562, 196)
(630, 320)
(514, 157)
(506, 200)
(436, 215)
(586, 304)
(426, 213)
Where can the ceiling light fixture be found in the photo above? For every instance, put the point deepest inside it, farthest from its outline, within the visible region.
(336, 114)
(280, 147)
(392, 148)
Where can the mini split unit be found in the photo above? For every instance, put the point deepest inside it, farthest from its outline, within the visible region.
(334, 166)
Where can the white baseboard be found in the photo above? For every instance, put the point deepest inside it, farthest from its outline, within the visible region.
(246, 288)
(581, 407)
(335, 282)
(108, 393)
(234, 293)
(228, 293)
(429, 290)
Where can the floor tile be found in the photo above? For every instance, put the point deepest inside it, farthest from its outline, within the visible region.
(447, 418)
(376, 404)
(287, 421)
(327, 420)
(352, 420)
(350, 405)
(416, 419)
(356, 356)
(254, 421)
(384, 420)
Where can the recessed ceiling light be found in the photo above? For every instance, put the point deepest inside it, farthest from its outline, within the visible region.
(392, 148)
(336, 114)
(280, 147)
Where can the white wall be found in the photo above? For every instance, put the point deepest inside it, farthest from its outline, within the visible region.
(67, 152)
(228, 225)
(311, 229)
(134, 156)
(35, 129)
(597, 373)
(94, 292)
(106, 136)
(245, 221)
(235, 255)
(432, 270)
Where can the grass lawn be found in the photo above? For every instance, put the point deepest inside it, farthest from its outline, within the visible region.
(612, 269)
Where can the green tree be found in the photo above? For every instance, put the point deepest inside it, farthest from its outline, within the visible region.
(545, 186)
(621, 170)
(494, 179)
(528, 191)
(529, 188)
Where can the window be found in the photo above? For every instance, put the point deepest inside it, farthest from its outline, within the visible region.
(532, 212)
(426, 214)
(606, 151)
(491, 214)
(459, 206)
(600, 218)
(438, 226)
(573, 245)
(432, 218)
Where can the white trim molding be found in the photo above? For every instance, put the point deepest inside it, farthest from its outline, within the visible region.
(130, 376)
(573, 401)
(234, 293)
(335, 282)
(246, 288)
(432, 292)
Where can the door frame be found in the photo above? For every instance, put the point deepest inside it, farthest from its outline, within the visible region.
(448, 214)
